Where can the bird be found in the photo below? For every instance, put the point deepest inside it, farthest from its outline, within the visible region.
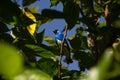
(59, 35)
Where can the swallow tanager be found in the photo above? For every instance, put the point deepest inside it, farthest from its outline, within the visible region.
(59, 35)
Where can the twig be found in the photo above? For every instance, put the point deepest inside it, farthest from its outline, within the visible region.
(107, 15)
(61, 50)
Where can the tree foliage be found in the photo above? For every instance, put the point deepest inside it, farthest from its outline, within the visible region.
(95, 45)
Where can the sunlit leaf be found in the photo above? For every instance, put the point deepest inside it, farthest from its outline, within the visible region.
(100, 71)
(11, 63)
(83, 76)
(73, 74)
(31, 28)
(98, 8)
(49, 40)
(116, 46)
(41, 51)
(102, 24)
(54, 2)
(33, 9)
(32, 74)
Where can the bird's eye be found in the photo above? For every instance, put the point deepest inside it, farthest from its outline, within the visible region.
(55, 31)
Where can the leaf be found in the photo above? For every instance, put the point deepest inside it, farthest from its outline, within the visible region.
(54, 2)
(85, 59)
(52, 69)
(102, 68)
(70, 75)
(116, 23)
(78, 41)
(3, 28)
(9, 12)
(32, 74)
(28, 2)
(49, 40)
(116, 46)
(32, 27)
(102, 24)
(11, 63)
(40, 36)
(115, 9)
(41, 51)
(71, 12)
(33, 9)
(98, 8)
(41, 18)
(6, 37)
(117, 1)
(52, 13)
(75, 43)
(83, 76)
(21, 32)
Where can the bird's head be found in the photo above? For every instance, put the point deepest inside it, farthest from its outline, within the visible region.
(55, 31)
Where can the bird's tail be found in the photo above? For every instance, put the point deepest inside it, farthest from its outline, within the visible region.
(68, 55)
(68, 58)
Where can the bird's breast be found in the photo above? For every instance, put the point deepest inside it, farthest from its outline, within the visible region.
(59, 42)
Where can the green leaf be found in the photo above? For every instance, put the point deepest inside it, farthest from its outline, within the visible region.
(49, 40)
(21, 32)
(6, 37)
(71, 12)
(103, 66)
(70, 75)
(11, 63)
(9, 12)
(102, 24)
(33, 9)
(117, 1)
(32, 74)
(54, 2)
(52, 69)
(42, 19)
(41, 51)
(52, 13)
(85, 59)
(40, 36)
(78, 41)
(98, 8)
(75, 43)
(116, 23)
(28, 2)
(83, 76)
(3, 28)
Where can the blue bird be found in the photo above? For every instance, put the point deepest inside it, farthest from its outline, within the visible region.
(59, 35)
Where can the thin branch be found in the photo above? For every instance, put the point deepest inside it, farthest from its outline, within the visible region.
(61, 52)
(107, 15)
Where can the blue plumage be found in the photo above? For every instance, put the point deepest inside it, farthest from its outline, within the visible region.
(59, 35)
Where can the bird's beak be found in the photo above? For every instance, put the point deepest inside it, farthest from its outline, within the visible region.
(55, 31)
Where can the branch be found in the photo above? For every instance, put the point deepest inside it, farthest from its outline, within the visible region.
(107, 15)
(61, 50)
